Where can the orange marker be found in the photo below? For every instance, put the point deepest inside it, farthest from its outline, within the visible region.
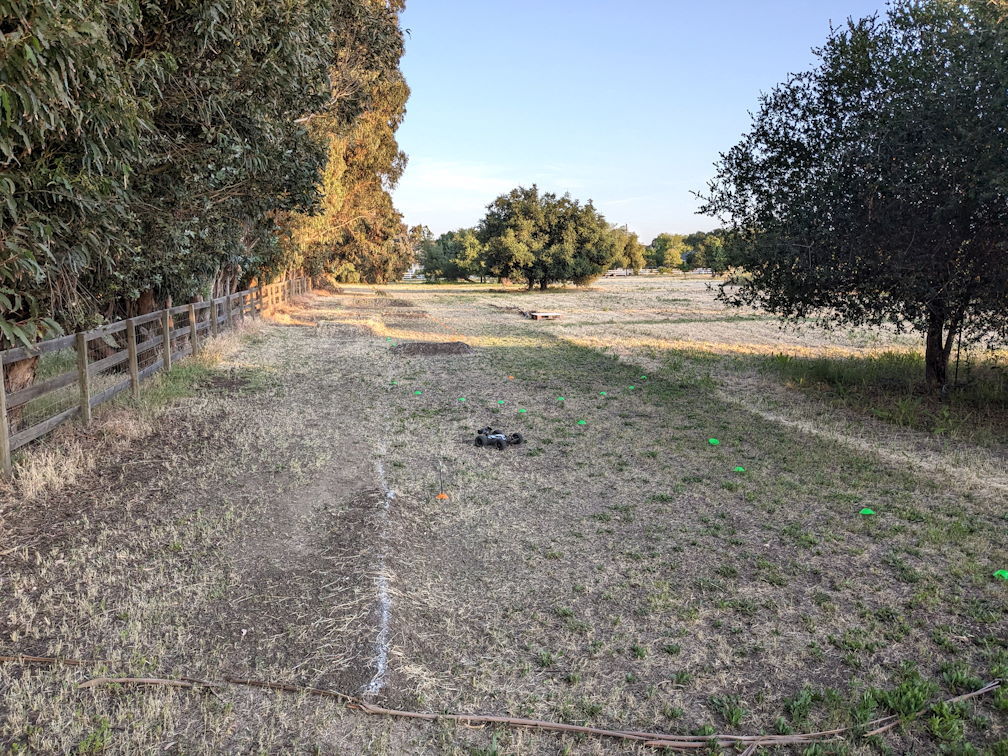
(441, 495)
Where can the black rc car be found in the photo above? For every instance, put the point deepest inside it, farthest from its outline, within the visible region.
(491, 437)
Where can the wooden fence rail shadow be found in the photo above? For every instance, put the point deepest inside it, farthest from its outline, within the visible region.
(72, 386)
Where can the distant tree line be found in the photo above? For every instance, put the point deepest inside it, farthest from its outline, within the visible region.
(466, 254)
(533, 237)
(171, 150)
(701, 249)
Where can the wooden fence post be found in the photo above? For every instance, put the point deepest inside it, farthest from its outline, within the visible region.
(166, 340)
(131, 347)
(229, 302)
(5, 450)
(213, 316)
(193, 330)
(83, 378)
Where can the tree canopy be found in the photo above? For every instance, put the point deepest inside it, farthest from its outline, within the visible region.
(359, 235)
(627, 250)
(874, 188)
(543, 238)
(149, 149)
(665, 251)
(453, 255)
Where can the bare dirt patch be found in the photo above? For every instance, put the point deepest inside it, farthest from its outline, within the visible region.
(418, 315)
(431, 348)
(226, 382)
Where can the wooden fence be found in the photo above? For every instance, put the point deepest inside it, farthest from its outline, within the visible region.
(104, 355)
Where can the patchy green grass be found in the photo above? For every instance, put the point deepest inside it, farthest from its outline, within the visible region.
(889, 387)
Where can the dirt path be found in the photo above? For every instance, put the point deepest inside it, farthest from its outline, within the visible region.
(244, 538)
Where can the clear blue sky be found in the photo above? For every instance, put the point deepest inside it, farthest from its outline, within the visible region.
(625, 102)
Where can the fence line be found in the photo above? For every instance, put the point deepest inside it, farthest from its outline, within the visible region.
(97, 376)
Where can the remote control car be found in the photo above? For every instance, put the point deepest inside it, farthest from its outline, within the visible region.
(492, 437)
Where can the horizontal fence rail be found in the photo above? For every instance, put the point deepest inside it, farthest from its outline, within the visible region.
(83, 370)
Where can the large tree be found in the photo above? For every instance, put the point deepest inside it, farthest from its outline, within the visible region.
(359, 235)
(454, 255)
(665, 251)
(873, 188)
(543, 238)
(627, 250)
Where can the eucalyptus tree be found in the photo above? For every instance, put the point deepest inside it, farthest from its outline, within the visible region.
(149, 149)
(357, 234)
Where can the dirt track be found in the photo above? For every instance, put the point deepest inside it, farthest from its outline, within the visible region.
(614, 572)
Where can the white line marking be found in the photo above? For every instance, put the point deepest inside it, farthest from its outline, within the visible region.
(384, 600)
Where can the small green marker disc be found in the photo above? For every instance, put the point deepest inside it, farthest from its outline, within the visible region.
(418, 392)
(388, 338)
(560, 398)
(602, 393)
(713, 442)
(632, 388)
(740, 469)
(582, 422)
(522, 411)
(395, 383)
(500, 401)
(1003, 574)
(867, 511)
(643, 377)
(461, 398)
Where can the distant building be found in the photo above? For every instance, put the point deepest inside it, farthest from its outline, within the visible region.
(415, 273)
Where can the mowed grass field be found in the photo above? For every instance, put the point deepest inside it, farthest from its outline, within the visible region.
(270, 512)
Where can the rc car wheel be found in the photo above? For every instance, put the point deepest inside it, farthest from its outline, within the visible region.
(480, 440)
(516, 438)
(500, 443)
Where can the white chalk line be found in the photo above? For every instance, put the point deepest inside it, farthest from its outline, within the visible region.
(384, 599)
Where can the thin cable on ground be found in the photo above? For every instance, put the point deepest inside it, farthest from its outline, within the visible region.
(651, 739)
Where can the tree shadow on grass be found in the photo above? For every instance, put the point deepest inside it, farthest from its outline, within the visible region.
(889, 386)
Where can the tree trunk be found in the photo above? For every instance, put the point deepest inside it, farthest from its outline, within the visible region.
(935, 355)
(19, 375)
(543, 284)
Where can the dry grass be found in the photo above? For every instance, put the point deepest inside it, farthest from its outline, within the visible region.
(52, 466)
(618, 573)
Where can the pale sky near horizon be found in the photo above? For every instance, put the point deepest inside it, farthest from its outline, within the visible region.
(627, 103)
